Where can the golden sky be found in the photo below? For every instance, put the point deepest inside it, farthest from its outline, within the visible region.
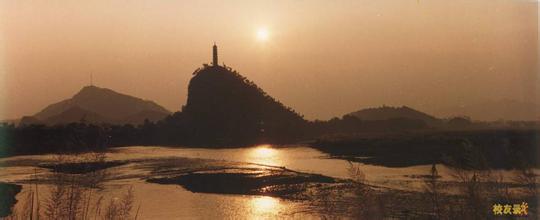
(322, 58)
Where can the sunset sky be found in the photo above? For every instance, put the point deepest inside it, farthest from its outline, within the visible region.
(322, 58)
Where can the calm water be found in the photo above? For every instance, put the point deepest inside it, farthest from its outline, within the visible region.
(173, 202)
(298, 158)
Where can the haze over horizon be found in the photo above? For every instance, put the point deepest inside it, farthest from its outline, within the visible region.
(323, 59)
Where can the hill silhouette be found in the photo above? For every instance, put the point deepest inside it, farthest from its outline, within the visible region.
(76, 114)
(388, 112)
(93, 104)
(225, 108)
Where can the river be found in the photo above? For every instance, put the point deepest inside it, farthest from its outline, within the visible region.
(174, 202)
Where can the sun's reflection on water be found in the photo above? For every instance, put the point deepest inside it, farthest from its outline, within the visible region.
(264, 154)
(265, 205)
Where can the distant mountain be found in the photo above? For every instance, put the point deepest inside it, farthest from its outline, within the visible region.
(77, 114)
(388, 112)
(506, 109)
(99, 105)
(28, 120)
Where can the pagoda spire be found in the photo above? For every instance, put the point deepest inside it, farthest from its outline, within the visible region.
(215, 55)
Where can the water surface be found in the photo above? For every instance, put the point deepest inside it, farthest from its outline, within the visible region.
(173, 202)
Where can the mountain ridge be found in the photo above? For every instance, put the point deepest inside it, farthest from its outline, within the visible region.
(99, 105)
(389, 112)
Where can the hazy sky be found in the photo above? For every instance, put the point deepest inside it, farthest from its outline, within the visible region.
(322, 58)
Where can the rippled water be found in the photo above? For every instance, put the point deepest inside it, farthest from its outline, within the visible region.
(298, 158)
(173, 202)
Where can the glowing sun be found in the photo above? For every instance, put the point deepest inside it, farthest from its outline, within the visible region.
(262, 34)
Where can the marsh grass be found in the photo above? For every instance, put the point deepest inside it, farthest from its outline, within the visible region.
(74, 196)
(120, 208)
(432, 187)
(366, 202)
(527, 177)
(479, 187)
(353, 199)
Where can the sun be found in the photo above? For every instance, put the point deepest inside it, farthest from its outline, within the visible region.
(262, 34)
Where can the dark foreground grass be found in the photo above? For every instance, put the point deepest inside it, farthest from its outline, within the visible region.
(7, 197)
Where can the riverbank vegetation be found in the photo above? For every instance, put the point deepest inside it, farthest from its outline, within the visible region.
(501, 148)
(72, 190)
